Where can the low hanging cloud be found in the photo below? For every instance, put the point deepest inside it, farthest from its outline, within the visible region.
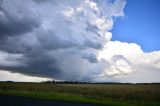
(68, 40)
(8, 76)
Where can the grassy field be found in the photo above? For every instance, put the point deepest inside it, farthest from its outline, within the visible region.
(103, 94)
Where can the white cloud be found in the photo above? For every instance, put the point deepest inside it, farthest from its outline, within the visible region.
(8, 76)
(128, 63)
(151, 59)
(68, 12)
(112, 48)
(118, 67)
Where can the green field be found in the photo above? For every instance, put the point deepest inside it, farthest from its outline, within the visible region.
(103, 94)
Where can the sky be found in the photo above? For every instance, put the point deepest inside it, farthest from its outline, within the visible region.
(79, 40)
(140, 24)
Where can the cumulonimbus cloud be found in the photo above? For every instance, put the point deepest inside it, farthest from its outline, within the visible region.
(68, 40)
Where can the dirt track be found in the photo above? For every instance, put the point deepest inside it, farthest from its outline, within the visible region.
(22, 101)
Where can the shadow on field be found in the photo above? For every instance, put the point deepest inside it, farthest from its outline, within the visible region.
(23, 101)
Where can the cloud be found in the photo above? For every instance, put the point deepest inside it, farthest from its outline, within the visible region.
(8, 76)
(68, 40)
(128, 63)
(10, 60)
(12, 16)
(148, 60)
(127, 50)
(55, 38)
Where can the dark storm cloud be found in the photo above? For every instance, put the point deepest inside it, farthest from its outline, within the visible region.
(10, 25)
(52, 38)
(90, 57)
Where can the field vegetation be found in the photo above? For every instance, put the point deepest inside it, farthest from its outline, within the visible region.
(102, 94)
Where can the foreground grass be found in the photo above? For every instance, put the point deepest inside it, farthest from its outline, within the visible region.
(103, 94)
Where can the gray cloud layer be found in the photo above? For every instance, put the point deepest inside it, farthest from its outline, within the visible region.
(58, 39)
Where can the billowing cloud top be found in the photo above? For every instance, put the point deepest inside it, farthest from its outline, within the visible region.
(68, 40)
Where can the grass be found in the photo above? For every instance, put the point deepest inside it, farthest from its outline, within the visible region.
(103, 94)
